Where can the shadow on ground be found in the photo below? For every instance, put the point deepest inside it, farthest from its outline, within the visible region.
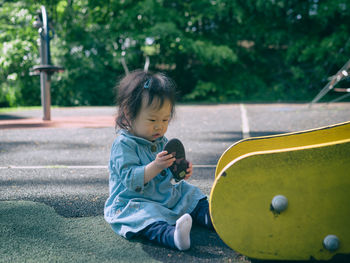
(206, 246)
(233, 136)
(33, 232)
(11, 117)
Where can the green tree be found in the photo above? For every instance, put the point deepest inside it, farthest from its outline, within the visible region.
(217, 50)
(18, 52)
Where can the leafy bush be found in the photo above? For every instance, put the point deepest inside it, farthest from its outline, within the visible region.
(218, 51)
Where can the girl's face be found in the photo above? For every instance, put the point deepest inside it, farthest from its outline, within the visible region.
(152, 121)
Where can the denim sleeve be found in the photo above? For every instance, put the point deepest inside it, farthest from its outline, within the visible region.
(127, 166)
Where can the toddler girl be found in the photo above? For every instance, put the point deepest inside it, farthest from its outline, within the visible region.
(142, 199)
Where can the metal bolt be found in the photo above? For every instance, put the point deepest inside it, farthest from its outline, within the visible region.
(279, 203)
(331, 242)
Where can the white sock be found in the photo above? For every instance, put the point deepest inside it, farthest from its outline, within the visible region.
(182, 232)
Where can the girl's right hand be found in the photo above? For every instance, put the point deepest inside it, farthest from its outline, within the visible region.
(164, 160)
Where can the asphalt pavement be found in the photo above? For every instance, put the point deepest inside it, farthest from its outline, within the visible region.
(62, 164)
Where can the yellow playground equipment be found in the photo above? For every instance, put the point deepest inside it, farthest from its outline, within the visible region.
(285, 197)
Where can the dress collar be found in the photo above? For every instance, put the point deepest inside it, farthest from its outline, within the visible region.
(139, 139)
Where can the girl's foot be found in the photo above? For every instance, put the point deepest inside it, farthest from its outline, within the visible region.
(182, 232)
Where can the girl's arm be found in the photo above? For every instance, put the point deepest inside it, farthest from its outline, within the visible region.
(162, 161)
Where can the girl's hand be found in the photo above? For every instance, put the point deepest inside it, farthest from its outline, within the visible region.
(164, 160)
(189, 171)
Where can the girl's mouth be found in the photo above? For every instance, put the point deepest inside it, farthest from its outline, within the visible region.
(156, 135)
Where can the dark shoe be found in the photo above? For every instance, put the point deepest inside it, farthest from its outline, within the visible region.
(179, 167)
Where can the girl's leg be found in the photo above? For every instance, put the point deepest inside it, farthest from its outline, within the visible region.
(201, 214)
(161, 233)
(177, 236)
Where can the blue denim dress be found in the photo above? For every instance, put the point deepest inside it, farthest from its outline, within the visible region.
(131, 205)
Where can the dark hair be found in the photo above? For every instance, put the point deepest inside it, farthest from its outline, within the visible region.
(137, 85)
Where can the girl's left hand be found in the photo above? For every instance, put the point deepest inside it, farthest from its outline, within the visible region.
(189, 171)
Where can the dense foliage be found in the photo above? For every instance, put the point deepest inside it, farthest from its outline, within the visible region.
(216, 50)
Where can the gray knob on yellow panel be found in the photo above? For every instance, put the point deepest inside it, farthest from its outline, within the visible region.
(331, 242)
(279, 203)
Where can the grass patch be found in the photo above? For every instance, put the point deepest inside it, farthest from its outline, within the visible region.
(14, 109)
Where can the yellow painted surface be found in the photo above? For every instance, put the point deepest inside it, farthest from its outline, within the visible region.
(316, 181)
(316, 136)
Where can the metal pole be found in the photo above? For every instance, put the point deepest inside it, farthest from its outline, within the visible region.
(147, 62)
(44, 77)
(45, 85)
(340, 98)
(124, 66)
(330, 85)
(45, 68)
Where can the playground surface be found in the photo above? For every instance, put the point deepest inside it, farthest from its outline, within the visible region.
(54, 177)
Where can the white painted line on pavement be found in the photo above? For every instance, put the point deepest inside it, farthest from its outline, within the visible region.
(82, 167)
(245, 123)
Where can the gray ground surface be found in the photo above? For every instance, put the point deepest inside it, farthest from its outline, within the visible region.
(66, 168)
